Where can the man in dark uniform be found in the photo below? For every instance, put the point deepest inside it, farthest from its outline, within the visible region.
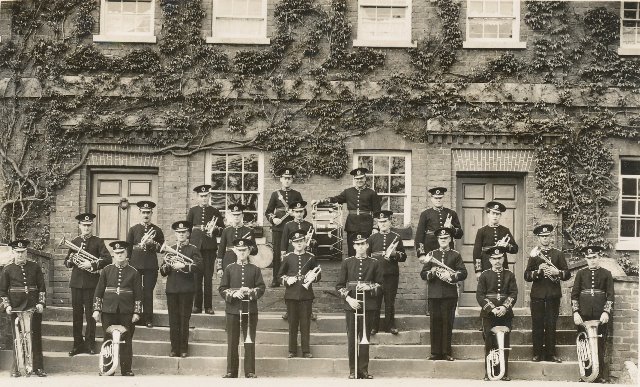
(361, 273)
(22, 288)
(144, 256)
(388, 263)
(278, 214)
(362, 202)
(493, 234)
(241, 287)
(84, 278)
(298, 210)
(434, 218)
(443, 292)
(207, 222)
(293, 272)
(181, 285)
(118, 301)
(592, 298)
(236, 230)
(546, 268)
(496, 294)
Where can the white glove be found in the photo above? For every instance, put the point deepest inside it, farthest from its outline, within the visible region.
(604, 318)
(353, 303)
(39, 308)
(577, 319)
(96, 316)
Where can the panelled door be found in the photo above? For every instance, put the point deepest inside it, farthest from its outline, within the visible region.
(472, 195)
(108, 190)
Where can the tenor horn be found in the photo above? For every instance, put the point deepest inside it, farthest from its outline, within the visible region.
(587, 348)
(80, 254)
(110, 351)
(172, 255)
(496, 360)
(22, 341)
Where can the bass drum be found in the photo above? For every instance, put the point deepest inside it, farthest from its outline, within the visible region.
(264, 257)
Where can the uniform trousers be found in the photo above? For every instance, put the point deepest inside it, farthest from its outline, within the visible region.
(149, 280)
(544, 317)
(490, 339)
(179, 308)
(126, 348)
(204, 281)
(36, 341)
(233, 339)
(299, 317)
(389, 292)
(442, 312)
(603, 332)
(82, 307)
(363, 359)
(276, 239)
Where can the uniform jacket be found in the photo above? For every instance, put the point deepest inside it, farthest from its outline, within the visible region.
(355, 270)
(361, 203)
(542, 286)
(119, 290)
(144, 258)
(496, 289)
(292, 226)
(378, 244)
(437, 287)
(277, 209)
(22, 286)
(592, 292)
(298, 265)
(95, 246)
(432, 219)
(236, 276)
(225, 254)
(488, 236)
(183, 280)
(199, 217)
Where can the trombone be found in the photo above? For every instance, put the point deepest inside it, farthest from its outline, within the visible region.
(173, 256)
(245, 303)
(360, 312)
(80, 255)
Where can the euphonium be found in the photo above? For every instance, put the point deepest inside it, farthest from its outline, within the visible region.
(495, 358)
(172, 255)
(311, 276)
(110, 351)
(23, 340)
(587, 348)
(80, 254)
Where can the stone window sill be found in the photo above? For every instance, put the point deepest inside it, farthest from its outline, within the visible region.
(628, 245)
(124, 39)
(629, 50)
(384, 43)
(507, 44)
(222, 40)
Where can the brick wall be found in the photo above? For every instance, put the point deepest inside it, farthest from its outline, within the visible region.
(623, 345)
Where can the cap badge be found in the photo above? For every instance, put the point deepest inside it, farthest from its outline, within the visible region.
(87, 217)
(544, 229)
(240, 243)
(20, 244)
(298, 235)
(437, 192)
(589, 251)
(180, 225)
(204, 189)
(146, 205)
(496, 206)
(117, 245)
(235, 208)
(286, 172)
(496, 252)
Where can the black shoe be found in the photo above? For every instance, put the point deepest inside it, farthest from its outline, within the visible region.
(506, 378)
(352, 375)
(307, 355)
(184, 354)
(196, 310)
(250, 375)
(554, 359)
(536, 358)
(229, 375)
(76, 350)
(128, 373)
(275, 284)
(394, 331)
(365, 376)
(314, 317)
(434, 357)
(209, 311)
(16, 374)
(291, 355)
(600, 379)
(40, 373)
(91, 349)
(285, 316)
(448, 358)
(173, 354)
(374, 332)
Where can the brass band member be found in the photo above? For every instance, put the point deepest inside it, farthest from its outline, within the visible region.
(298, 210)
(546, 268)
(592, 298)
(118, 301)
(277, 213)
(236, 230)
(443, 292)
(84, 278)
(363, 273)
(496, 294)
(296, 267)
(22, 288)
(380, 248)
(493, 234)
(144, 256)
(181, 285)
(433, 218)
(362, 202)
(208, 223)
(241, 281)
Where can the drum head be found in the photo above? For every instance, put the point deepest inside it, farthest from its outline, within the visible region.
(264, 257)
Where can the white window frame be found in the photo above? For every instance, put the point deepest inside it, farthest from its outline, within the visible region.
(627, 243)
(125, 37)
(510, 43)
(627, 49)
(260, 192)
(262, 39)
(369, 41)
(407, 183)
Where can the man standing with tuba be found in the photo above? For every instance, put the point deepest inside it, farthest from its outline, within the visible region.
(299, 270)
(493, 234)
(22, 288)
(442, 269)
(145, 240)
(386, 246)
(236, 230)
(180, 265)
(496, 294)
(118, 301)
(546, 268)
(592, 299)
(241, 287)
(207, 224)
(359, 283)
(84, 278)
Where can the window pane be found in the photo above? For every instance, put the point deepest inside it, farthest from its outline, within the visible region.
(128, 7)
(251, 163)
(397, 165)
(505, 29)
(250, 201)
(235, 162)
(384, 202)
(219, 201)
(250, 182)
(250, 217)
(397, 204)
(144, 6)
(630, 167)
(629, 187)
(234, 182)
(475, 29)
(490, 7)
(254, 8)
(506, 8)
(218, 163)
(365, 162)
(381, 164)
(397, 184)
(218, 181)
(224, 7)
(627, 228)
(629, 207)
(490, 30)
(381, 184)
(475, 7)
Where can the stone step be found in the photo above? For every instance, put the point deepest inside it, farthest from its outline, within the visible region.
(218, 335)
(379, 351)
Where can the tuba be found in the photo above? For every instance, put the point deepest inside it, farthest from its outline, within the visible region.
(22, 341)
(110, 351)
(587, 348)
(496, 360)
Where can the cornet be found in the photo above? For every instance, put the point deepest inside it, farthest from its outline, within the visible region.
(587, 348)
(80, 255)
(172, 256)
(23, 340)
(496, 359)
(308, 237)
(311, 276)
(211, 225)
(110, 351)
(147, 238)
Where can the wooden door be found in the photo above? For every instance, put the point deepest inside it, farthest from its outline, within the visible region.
(472, 195)
(107, 189)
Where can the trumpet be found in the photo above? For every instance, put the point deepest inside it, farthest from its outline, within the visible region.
(110, 351)
(23, 340)
(311, 276)
(173, 256)
(443, 271)
(587, 348)
(210, 226)
(496, 359)
(80, 255)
